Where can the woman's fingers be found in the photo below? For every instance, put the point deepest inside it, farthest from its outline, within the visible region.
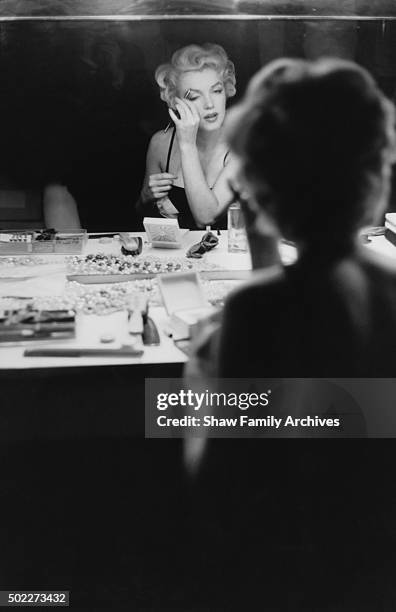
(163, 175)
(160, 184)
(188, 123)
(188, 111)
(173, 116)
(193, 109)
(160, 194)
(157, 182)
(183, 110)
(156, 188)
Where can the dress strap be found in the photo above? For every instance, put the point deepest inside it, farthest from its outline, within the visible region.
(170, 150)
(225, 157)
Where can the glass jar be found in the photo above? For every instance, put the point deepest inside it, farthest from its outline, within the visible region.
(237, 238)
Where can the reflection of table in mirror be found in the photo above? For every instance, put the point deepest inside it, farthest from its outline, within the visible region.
(50, 280)
(89, 395)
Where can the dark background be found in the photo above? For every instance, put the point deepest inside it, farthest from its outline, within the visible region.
(79, 103)
(86, 503)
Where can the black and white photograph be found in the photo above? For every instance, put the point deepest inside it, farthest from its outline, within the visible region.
(198, 305)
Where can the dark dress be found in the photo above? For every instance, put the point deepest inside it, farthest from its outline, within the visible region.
(303, 525)
(177, 196)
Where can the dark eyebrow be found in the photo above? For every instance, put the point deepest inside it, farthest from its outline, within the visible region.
(217, 84)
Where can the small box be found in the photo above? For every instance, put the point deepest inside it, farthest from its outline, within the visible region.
(390, 222)
(43, 242)
(15, 242)
(164, 233)
(22, 242)
(70, 241)
(184, 301)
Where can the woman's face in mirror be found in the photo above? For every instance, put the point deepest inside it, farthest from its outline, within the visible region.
(208, 95)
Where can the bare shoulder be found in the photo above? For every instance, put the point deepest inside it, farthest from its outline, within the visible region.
(231, 164)
(230, 159)
(159, 142)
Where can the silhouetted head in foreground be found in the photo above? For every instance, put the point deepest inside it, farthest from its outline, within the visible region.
(316, 142)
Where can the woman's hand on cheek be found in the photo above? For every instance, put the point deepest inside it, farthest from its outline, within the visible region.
(187, 125)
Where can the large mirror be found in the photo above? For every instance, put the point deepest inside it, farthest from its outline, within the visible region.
(79, 103)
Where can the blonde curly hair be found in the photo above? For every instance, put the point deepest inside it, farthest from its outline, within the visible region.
(195, 57)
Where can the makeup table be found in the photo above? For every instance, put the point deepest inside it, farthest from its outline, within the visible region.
(57, 397)
(50, 279)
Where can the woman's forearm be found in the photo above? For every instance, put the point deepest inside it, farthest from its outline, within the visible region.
(203, 203)
(60, 208)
